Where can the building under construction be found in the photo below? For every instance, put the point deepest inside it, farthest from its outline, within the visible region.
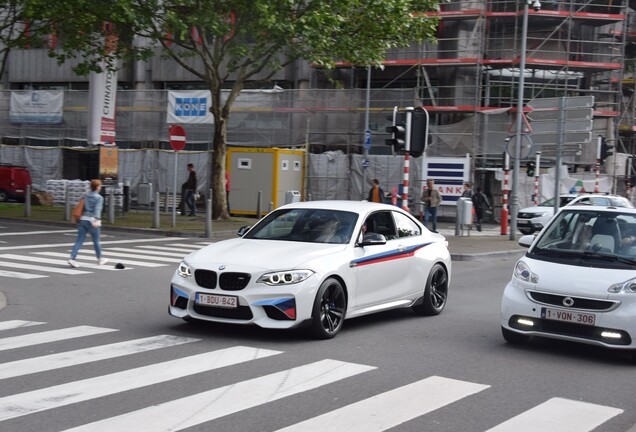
(467, 81)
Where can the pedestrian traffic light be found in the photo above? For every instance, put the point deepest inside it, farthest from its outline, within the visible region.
(419, 132)
(530, 167)
(606, 150)
(398, 132)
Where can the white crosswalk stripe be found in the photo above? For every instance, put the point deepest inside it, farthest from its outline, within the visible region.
(19, 275)
(107, 253)
(81, 258)
(170, 249)
(14, 324)
(78, 391)
(150, 254)
(50, 336)
(87, 355)
(58, 262)
(559, 415)
(66, 271)
(368, 414)
(227, 400)
(406, 403)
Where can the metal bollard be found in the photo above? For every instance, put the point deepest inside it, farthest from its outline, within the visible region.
(67, 204)
(27, 202)
(126, 196)
(111, 205)
(208, 216)
(155, 217)
(258, 205)
(165, 204)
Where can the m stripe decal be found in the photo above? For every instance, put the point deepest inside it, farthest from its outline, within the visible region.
(388, 256)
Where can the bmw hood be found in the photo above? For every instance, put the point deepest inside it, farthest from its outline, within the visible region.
(250, 255)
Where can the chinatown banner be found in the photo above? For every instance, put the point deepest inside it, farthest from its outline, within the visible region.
(191, 106)
(101, 100)
(36, 107)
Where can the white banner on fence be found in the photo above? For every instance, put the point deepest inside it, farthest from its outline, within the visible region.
(36, 106)
(191, 106)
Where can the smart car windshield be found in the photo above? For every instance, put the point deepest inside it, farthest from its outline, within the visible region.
(306, 225)
(604, 236)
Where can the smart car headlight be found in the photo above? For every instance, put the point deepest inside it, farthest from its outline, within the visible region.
(184, 270)
(286, 277)
(628, 287)
(523, 273)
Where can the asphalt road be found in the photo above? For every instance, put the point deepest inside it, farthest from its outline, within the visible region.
(453, 371)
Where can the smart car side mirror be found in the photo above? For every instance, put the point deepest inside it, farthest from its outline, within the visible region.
(526, 240)
(243, 230)
(370, 239)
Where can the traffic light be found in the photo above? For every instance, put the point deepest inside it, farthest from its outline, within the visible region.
(530, 167)
(397, 131)
(606, 150)
(419, 132)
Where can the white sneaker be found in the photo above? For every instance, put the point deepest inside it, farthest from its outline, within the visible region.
(73, 263)
(102, 261)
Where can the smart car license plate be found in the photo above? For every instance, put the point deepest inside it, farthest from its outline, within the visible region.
(229, 302)
(568, 316)
(523, 222)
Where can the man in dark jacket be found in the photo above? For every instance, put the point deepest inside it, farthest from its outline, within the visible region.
(190, 187)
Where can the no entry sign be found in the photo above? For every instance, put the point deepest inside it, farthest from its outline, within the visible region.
(177, 137)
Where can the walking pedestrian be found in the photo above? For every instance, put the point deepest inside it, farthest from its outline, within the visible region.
(431, 199)
(468, 192)
(90, 223)
(190, 187)
(376, 194)
(481, 205)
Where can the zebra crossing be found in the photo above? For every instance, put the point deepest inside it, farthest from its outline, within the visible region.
(37, 264)
(369, 414)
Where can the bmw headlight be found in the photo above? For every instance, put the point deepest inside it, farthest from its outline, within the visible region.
(523, 273)
(628, 287)
(184, 270)
(287, 277)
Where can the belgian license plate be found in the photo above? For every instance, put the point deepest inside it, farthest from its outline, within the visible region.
(214, 300)
(523, 222)
(568, 316)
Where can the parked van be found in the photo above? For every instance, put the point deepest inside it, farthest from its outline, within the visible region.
(13, 182)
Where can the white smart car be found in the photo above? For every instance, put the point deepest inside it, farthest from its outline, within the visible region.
(577, 281)
(316, 264)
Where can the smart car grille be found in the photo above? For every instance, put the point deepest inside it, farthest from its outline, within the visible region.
(205, 278)
(234, 281)
(239, 313)
(526, 215)
(579, 303)
(571, 329)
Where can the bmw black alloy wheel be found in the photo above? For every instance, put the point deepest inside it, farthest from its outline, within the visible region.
(439, 287)
(329, 309)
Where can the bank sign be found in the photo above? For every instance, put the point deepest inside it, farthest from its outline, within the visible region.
(449, 174)
(191, 106)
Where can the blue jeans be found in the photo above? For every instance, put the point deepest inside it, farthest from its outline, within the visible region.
(189, 199)
(432, 212)
(84, 227)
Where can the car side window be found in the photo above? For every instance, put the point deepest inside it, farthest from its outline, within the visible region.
(382, 223)
(406, 227)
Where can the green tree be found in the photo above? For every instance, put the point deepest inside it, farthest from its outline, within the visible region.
(226, 43)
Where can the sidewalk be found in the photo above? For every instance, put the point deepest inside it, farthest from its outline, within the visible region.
(472, 246)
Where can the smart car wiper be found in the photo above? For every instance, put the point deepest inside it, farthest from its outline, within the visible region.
(616, 258)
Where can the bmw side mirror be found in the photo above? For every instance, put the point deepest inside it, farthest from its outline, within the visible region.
(243, 230)
(370, 239)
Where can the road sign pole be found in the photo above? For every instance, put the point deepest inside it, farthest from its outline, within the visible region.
(557, 173)
(174, 190)
(537, 164)
(407, 148)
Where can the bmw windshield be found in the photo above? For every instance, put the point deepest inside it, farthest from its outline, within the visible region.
(306, 225)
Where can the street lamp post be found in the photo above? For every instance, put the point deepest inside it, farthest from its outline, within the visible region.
(514, 201)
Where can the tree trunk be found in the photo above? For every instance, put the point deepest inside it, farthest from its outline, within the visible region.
(217, 172)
